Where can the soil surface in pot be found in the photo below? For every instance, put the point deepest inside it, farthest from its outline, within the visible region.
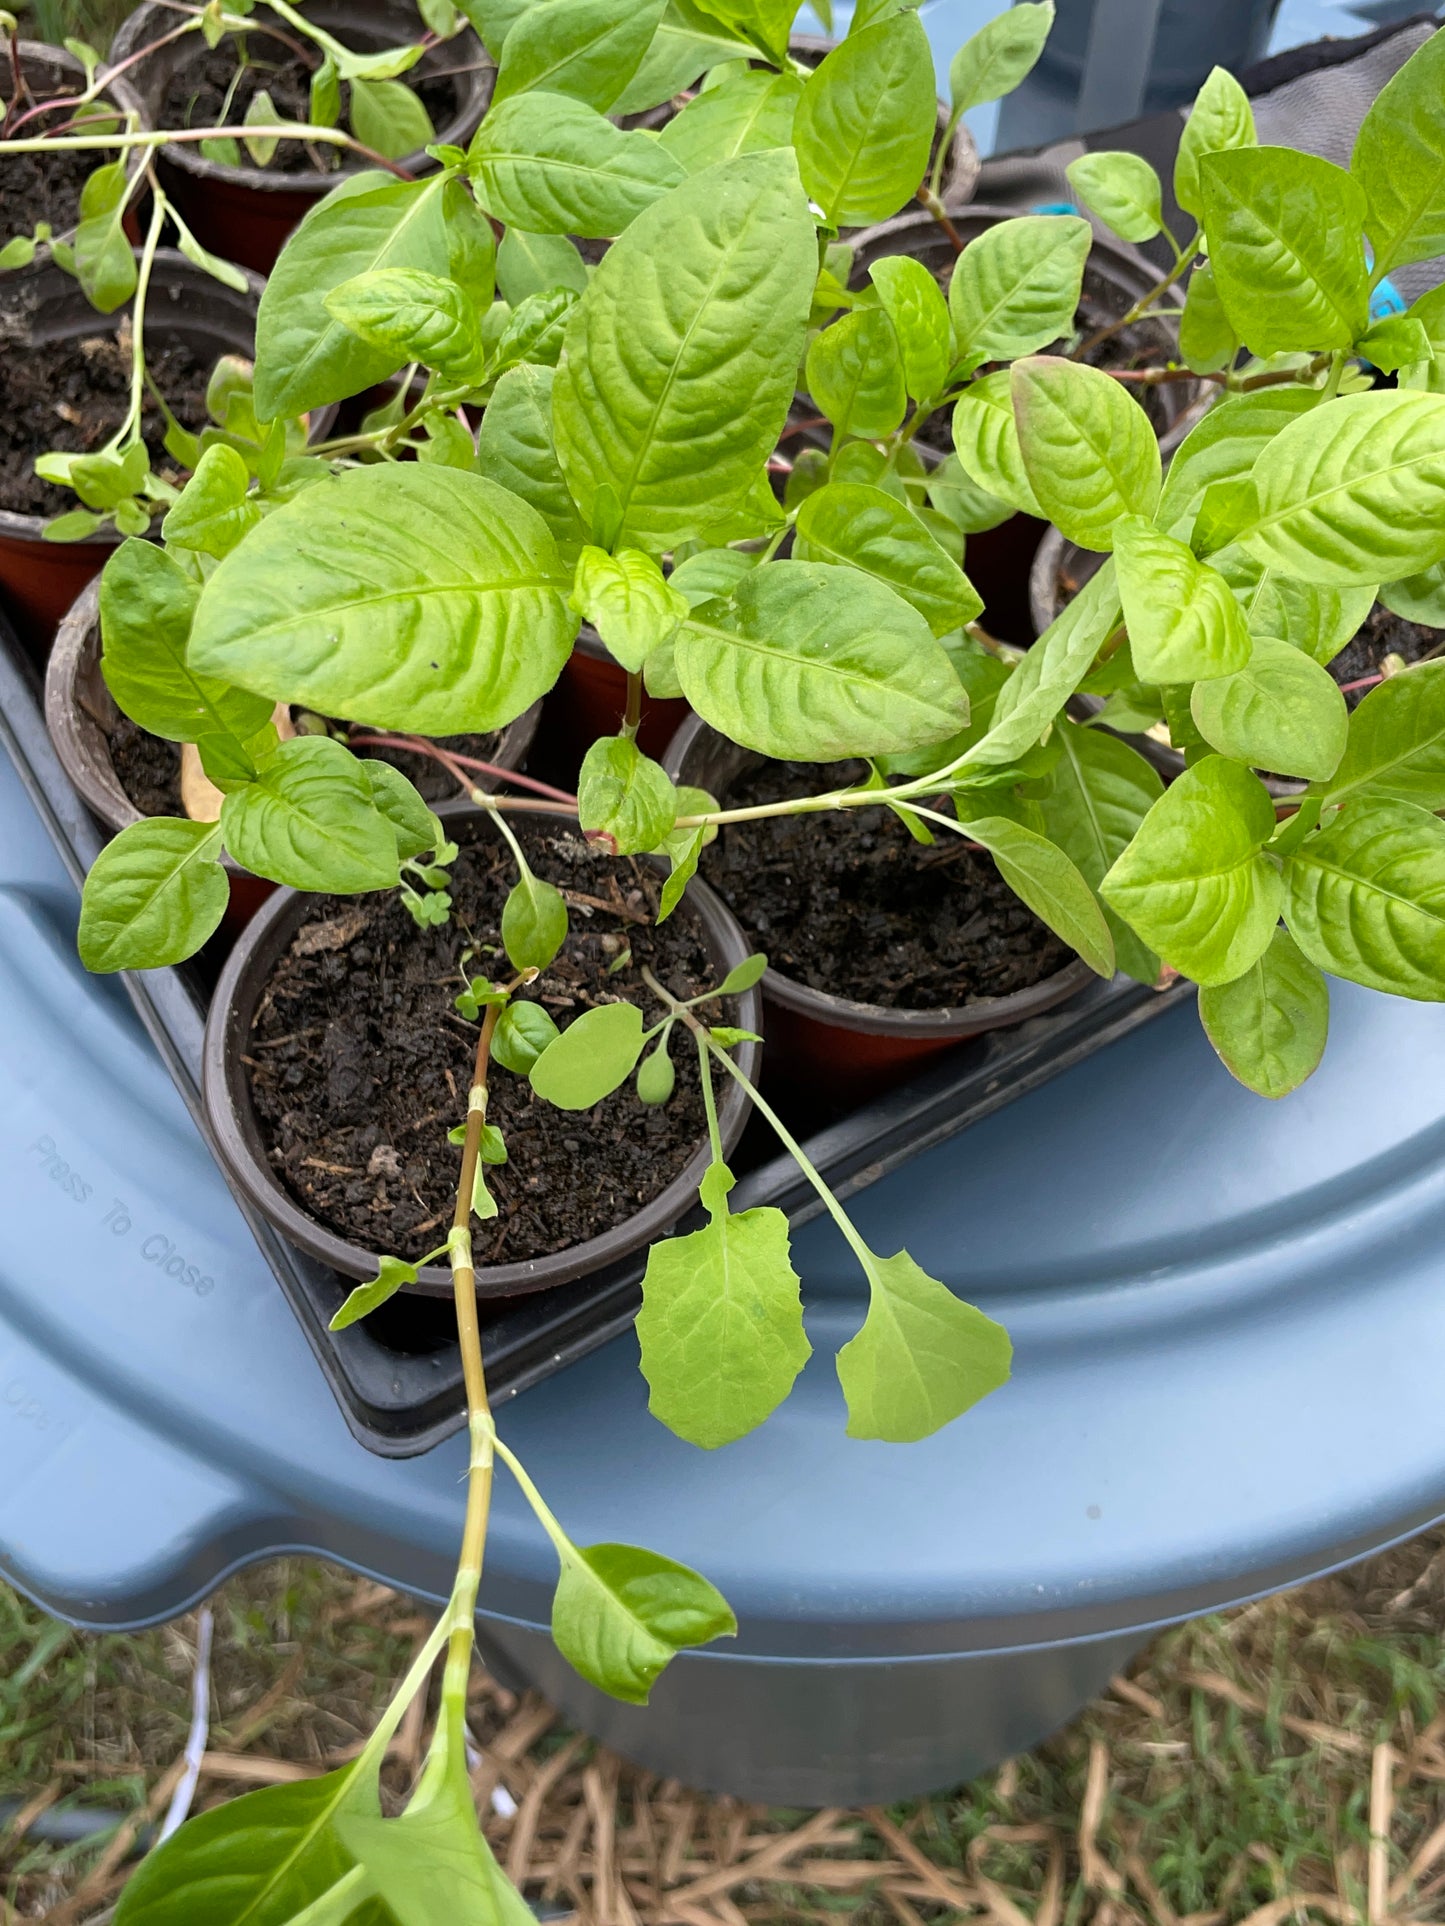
(41, 187)
(73, 395)
(359, 1064)
(1383, 634)
(206, 92)
(147, 767)
(849, 903)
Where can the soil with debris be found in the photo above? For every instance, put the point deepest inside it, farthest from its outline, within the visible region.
(849, 903)
(360, 1065)
(42, 187)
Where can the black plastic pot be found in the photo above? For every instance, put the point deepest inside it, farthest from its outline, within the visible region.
(39, 580)
(236, 1137)
(835, 1043)
(246, 213)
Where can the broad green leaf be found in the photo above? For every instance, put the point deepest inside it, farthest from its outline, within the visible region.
(814, 662)
(588, 49)
(1354, 497)
(1050, 672)
(855, 374)
(1399, 161)
(711, 572)
(1122, 189)
(986, 441)
(414, 826)
(389, 118)
(153, 896)
(1088, 447)
(747, 114)
(684, 848)
(534, 922)
(536, 263)
(1365, 898)
(922, 1358)
(1396, 743)
(413, 316)
(514, 449)
(104, 261)
(392, 1275)
(1193, 883)
(853, 524)
(147, 602)
(523, 1032)
(304, 358)
(404, 596)
(1396, 341)
(1281, 712)
(1419, 598)
(957, 497)
(592, 1057)
(1207, 340)
(721, 1324)
(215, 509)
(913, 302)
(1183, 620)
(1307, 615)
(629, 602)
(866, 122)
(680, 359)
(1429, 311)
(553, 165)
(1097, 794)
(1040, 874)
(999, 55)
(1016, 287)
(494, 20)
(687, 43)
(982, 677)
(620, 1613)
(1223, 447)
(625, 794)
(1221, 118)
(1269, 1025)
(309, 820)
(1287, 249)
(260, 112)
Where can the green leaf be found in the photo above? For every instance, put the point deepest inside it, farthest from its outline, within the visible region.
(1122, 189)
(1050, 673)
(494, 20)
(855, 374)
(1281, 712)
(104, 261)
(625, 794)
(986, 441)
(403, 596)
(1040, 874)
(592, 1057)
(534, 922)
(514, 449)
(1220, 119)
(260, 112)
(324, 105)
(523, 1032)
(18, 252)
(721, 1324)
(415, 827)
(957, 497)
(656, 1080)
(629, 602)
(620, 1613)
(1307, 615)
(812, 662)
(215, 509)
(153, 896)
(688, 339)
(1353, 497)
(762, 24)
(389, 118)
(850, 523)
(1399, 161)
(413, 316)
(1183, 620)
(1207, 340)
(587, 49)
(687, 42)
(553, 165)
(922, 1358)
(147, 602)
(1016, 287)
(684, 847)
(999, 55)
(1395, 341)
(913, 302)
(866, 122)
(1365, 898)
(1396, 744)
(1088, 447)
(74, 526)
(309, 820)
(536, 263)
(535, 332)
(304, 358)
(1269, 1025)
(392, 1275)
(749, 113)
(1193, 883)
(1287, 248)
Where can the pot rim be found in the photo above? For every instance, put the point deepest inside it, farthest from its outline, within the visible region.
(474, 102)
(877, 1019)
(235, 1136)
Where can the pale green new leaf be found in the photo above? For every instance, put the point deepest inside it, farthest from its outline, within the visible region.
(1122, 189)
(1365, 898)
(1207, 340)
(1419, 598)
(553, 165)
(1088, 447)
(536, 263)
(1396, 743)
(414, 316)
(153, 895)
(625, 795)
(1050, 672)
(865, 124)
(914, 303)
(523, 1032)
(750, 112)
(1221, 118)
(986, 441)
(922, 1358)
(1269, 1025)
(1281, 712)
(629, 602)
(1040, 874)
(392, 1275)
(216, 508)
(588, 49)
(855, 374)
(104, 261)
(620, 1613)
(853, 524)
(388, 117)
(1184, 622)
(590, 1059)
(514, 449)
(1016, 287)
(1308, 615)
(1399, 161)
(1000, 55)
(309, 820)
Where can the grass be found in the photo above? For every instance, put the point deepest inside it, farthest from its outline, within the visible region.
(1284, 1762)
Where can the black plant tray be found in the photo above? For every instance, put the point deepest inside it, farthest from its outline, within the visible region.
(397, 1376)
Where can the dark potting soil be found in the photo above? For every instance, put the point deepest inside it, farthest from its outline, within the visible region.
(849, 903)
(41, 187)
(426, 774)
(74, 395)
(1382, 634)
(197, 97)
(359, 1063)
(147, 767)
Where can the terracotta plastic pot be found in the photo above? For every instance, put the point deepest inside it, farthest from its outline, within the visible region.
(236, 1137)
(246, 213)
(49, 71)
(39, 580)
(830, 1041)
(79, 710)
(588, 701)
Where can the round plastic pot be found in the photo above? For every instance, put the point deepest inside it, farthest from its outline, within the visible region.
(49, 71)
(246, 213)
(236, 1136)
(39, 580)
(79, 708)
(588, 701)
(845, 1047)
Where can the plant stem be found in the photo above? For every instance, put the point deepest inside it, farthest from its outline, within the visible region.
(419, 746)
(929, 200)
(159, 209)
(296, 130)
(632, 718)
(1181, 256)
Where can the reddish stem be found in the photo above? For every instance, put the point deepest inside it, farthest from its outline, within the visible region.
(453, 761)
(1365, 682)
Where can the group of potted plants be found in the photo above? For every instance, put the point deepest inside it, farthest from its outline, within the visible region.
(647, 391)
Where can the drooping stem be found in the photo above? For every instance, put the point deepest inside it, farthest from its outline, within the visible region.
(159, 209)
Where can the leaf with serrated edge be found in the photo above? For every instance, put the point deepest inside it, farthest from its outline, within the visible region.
(1365, 898)
(1269, 1025)
(922, 1358)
